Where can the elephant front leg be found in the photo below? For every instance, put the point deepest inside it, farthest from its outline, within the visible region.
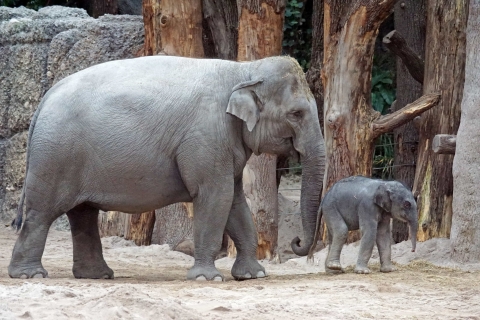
(88, 259)
(211, 207)
(368, 230)
(384, 245)
(241, 228)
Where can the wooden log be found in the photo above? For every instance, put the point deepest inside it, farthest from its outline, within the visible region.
(396, 43)
(444, 143)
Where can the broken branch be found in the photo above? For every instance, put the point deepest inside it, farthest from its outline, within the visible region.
(410, 111)
(397, 44)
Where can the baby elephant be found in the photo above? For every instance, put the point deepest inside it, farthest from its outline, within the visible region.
(367, 204)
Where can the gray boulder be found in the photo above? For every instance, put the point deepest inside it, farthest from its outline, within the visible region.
(39, 49)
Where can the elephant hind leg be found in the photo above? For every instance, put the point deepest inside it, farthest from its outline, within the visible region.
(26, 261)
(88, 259)
(338, 233)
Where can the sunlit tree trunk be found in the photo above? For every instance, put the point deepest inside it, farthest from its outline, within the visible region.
(444, 73)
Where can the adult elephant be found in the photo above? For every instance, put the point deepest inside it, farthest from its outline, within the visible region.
(136, 135)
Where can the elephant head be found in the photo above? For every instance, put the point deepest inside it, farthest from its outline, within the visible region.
(397, 200)
(280, 117)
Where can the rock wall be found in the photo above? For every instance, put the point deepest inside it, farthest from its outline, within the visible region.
(38, 49)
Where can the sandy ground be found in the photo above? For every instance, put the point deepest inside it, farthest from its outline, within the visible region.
(149, 284)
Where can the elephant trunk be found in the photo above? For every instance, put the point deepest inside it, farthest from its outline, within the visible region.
(313, 168)
(413, 226)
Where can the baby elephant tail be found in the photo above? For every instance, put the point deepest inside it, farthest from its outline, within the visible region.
(317, 235)
(17, 222)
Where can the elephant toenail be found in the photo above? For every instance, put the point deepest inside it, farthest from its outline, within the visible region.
(261, 274)
(23, 276)
(218, 278)
(201, 278)
(247, 276)
(38, 275)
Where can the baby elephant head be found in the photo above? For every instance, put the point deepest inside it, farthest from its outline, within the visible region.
(395, 199)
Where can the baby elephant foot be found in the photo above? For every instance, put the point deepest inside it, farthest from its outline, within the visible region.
(204, 273)
(334, 265)
(332, 271)
(101, 271)
(388, 268)
(27, 272)
(244, 269)
(362, 270)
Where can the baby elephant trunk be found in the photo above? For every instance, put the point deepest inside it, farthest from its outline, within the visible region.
(413, 226)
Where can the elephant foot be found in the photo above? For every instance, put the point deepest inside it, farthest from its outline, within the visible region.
(388, 268)
(203, 273)
(27, 272)
(362, 270)
(334, 265)
(91, 271)
(244, 269)
(332, 271)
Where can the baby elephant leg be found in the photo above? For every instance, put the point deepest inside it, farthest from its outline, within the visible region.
(384, 245)
(368, 230)
(338, 233)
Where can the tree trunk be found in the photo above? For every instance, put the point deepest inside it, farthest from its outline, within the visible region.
(140, 228)
(173, 225)
(151, 21)
(466, 194)
(444, 73)
(410, 22)
(314, 73)
(98, 8)
(351, 124)
(222, 20)
(259, 36)
(112, 223)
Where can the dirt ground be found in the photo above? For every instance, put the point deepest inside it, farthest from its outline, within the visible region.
(150, 284)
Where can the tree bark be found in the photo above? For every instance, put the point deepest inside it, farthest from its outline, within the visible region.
(350, 31)
(222, 20)
(112, 223)
(444, 143)
(444, 73)
(396, 43)
(140, 228)
(314, 73)
(259, 36)
(151, 21)
(173, 225)
(466, 194)
(410, 21)
(98, 8)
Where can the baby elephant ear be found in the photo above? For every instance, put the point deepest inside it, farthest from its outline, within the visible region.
(382, 197)
(245, 104)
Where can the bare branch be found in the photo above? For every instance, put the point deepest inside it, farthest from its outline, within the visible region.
(410, 111)
(397, 44)
(444, 143)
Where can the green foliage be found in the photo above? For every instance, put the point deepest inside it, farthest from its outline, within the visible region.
(383, 88)
(297, 32)
(383, 157)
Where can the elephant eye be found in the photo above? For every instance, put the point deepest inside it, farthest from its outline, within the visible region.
(407, 205)
(296, 115)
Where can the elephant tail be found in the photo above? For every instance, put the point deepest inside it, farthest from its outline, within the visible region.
(317, 235)
(17, 222)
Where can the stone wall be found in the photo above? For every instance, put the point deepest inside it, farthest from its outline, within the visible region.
(38, 49)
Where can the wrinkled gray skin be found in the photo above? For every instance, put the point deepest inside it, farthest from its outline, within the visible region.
(367, 204)
(136, 135)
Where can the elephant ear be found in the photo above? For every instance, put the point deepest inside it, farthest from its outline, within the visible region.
(245, 104)
(382, 197)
